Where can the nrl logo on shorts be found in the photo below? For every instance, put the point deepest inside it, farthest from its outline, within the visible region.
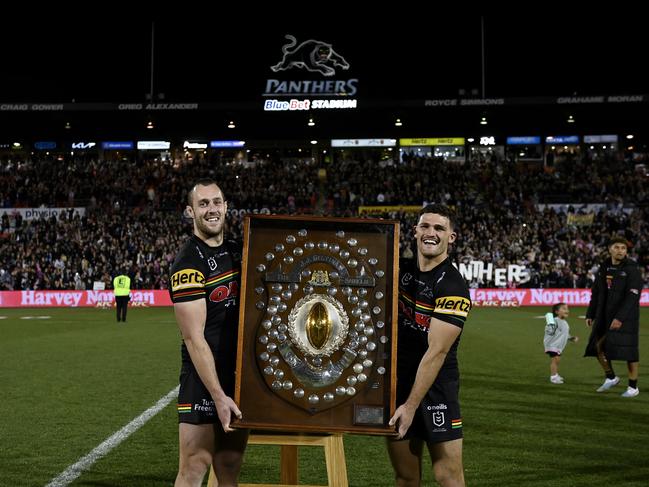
(321, 318)
(438, 418)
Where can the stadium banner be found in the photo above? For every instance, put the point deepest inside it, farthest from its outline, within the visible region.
(79, 299)
(379, 210)
(536, 297)
(432, 141)
(39, 213)
(583, 208)
(580, 220)
(363, 142)
(524, 140)
(485, 272)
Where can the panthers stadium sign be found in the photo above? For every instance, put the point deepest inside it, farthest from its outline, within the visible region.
(331, 87)
(312, 56)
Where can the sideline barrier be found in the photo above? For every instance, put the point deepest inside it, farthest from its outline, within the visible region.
(80, 299)
(536, 297)
(480, 298)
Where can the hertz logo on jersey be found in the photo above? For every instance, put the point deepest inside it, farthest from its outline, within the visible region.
(453, 305)
(187, 278)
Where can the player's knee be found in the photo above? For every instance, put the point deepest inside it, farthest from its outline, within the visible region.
(228, 463)
(195, 465)
(405, 478)
(449, 473)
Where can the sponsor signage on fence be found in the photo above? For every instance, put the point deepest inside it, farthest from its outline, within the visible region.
(538, 297)
(79, 299)
(501, 297)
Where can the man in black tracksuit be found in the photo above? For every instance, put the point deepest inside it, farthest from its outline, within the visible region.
(614, 315)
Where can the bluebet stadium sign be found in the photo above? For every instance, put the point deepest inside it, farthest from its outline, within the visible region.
(297, 105)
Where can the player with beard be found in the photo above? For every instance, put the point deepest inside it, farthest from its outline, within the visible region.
(204, 288)
(434, 303)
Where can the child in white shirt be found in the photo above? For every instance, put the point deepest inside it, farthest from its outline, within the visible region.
(557, 334)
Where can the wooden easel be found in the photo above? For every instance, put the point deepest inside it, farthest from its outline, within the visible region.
(334, 457)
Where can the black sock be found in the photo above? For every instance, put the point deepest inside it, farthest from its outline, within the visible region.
(610, 374)
(633, 383)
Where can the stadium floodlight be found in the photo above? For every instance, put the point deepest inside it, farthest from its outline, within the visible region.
(483, 121)
(311, 123)
(149, 124)
(68, 126)
(571, 119)
(630, 136)
(398, 123)
(314, 142)
(231, 125)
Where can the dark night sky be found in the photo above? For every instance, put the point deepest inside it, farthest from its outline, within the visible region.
(226, 59)
(421, 57)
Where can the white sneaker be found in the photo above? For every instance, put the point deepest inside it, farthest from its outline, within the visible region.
(556, 379)
(608, 383)
(631, 392)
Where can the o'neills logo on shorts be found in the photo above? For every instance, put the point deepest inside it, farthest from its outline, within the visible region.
(187, 278)
(453, 305)
(436, 407)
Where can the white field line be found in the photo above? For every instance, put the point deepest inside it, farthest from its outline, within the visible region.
(85, 462)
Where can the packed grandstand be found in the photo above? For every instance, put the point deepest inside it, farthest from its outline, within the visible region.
(68, 220)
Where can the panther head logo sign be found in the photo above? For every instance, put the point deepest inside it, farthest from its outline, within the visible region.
(312, 55)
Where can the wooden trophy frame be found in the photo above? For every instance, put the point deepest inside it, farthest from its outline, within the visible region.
(318, 324)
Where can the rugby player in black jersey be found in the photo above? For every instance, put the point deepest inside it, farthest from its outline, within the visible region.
(204, 288)
(434, 303)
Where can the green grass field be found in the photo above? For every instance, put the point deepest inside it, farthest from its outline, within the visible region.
(71, 381)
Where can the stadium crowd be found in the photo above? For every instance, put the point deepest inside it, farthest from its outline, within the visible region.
(133, 211)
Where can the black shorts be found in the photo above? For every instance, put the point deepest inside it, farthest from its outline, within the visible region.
(195, 403)
(438, 417)
(553, 354)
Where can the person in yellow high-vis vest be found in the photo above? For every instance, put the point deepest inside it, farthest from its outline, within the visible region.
(122, 289)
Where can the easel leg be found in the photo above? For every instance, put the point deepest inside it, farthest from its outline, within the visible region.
(288, 462)
(335, 458)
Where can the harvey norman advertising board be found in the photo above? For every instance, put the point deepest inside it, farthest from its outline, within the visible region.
(479, 297)
(79, 299)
